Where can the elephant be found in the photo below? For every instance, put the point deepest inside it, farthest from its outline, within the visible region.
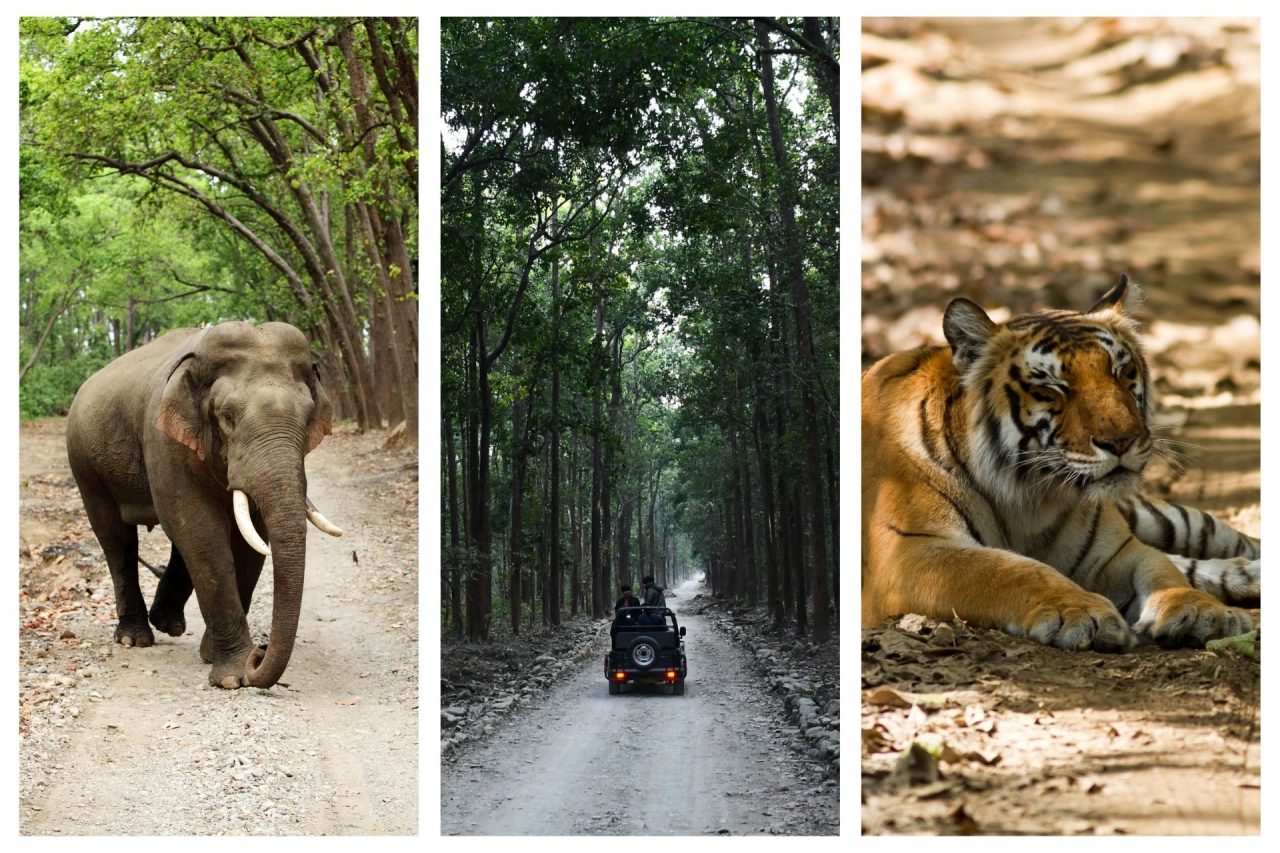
(204, 432)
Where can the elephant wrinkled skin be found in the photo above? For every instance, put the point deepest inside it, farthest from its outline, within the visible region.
(177, 433)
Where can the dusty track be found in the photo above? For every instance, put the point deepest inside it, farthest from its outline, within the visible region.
(582, 762)
(132, 741)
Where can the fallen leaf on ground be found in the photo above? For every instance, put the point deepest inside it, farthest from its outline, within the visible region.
(916, 766)
(888, 696)
(1242, 644)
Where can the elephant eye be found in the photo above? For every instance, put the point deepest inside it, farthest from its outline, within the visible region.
(228, 418)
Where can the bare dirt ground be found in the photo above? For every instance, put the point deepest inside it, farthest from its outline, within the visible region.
(576, 761)
(117, 740)
(1025, 164)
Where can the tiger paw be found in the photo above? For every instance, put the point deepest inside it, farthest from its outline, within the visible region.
(1188, 617)
(1076, 619)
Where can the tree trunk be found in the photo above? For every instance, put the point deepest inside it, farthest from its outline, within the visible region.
(478, 618)
(557, 567)
(597, 468)
(607, 583)
(735, 518)
(575, 531)
(518, 464)
(761, 433)
(626, 506)
(455, 541)
(804, 338)
(653, 506)
(833, 503)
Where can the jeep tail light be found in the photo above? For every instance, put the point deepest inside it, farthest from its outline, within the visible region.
(671, 675)
(619, 675)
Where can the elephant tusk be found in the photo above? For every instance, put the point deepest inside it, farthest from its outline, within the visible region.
(240, 502)
(323, 524)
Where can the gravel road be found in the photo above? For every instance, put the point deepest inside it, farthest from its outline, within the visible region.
(582, 762)
(133, 741)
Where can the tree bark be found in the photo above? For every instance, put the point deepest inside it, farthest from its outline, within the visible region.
(518, 465)
(598, 592)
(557, 567)
(804, 338)
(455, 540)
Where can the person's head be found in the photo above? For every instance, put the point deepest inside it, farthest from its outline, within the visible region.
(647, 580)
(626, 589)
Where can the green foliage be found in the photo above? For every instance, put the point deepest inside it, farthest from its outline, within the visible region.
(49, 388)
(176, 171)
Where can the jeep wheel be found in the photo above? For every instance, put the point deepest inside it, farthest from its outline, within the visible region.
(644, 651)
(677, 688)
(614, 688)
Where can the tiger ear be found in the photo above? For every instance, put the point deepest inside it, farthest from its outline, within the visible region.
(968, 328)
(1123, 298)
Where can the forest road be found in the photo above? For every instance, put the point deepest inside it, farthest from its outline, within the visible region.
(582, 762)
(149, 748)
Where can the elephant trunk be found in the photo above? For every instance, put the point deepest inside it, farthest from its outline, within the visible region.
(282, 501)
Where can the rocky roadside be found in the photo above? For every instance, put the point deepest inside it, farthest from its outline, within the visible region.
(805, 675)
(481, 683)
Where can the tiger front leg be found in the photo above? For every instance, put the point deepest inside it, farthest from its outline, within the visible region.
(945, 578)
(1170, 610)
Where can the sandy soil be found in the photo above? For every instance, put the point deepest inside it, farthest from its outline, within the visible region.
(132, 741)
(577, 761)
(1026, 163)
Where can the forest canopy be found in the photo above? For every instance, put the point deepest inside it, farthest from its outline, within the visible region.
(178, 171)
(639, 354)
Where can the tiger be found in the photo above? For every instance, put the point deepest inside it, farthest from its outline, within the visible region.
(1001, 485)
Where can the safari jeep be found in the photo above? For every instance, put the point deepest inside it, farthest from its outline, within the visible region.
(647, 648)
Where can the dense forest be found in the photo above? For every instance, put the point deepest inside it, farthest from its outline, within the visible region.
(639, 354)
(176, 171)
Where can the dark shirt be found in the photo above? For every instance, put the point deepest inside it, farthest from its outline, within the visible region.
(627, 600)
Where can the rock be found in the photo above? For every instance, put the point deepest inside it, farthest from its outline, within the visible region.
(814, 733)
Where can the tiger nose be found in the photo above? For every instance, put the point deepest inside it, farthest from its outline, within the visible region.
(1115, 444)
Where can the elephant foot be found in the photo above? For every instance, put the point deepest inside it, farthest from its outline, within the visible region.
(229, 674)
(133, 634)
(232, 671)
(173, 624)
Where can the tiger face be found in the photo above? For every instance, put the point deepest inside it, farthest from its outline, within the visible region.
(1062, 397)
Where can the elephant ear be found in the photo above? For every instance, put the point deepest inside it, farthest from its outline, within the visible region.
(179, 407)
(321, 422)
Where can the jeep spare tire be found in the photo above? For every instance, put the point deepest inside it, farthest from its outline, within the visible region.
(644, 652)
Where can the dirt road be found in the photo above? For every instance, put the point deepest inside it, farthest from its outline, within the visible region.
(582, 762)
(132, 741)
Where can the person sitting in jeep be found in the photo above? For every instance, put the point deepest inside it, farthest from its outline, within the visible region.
(627, 617)
(627, 599)
(652, 597)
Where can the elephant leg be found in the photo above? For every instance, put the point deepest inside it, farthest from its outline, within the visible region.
(171, 596)
(248, 569)
(226, 643)
(119, 543)
(131, 607)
